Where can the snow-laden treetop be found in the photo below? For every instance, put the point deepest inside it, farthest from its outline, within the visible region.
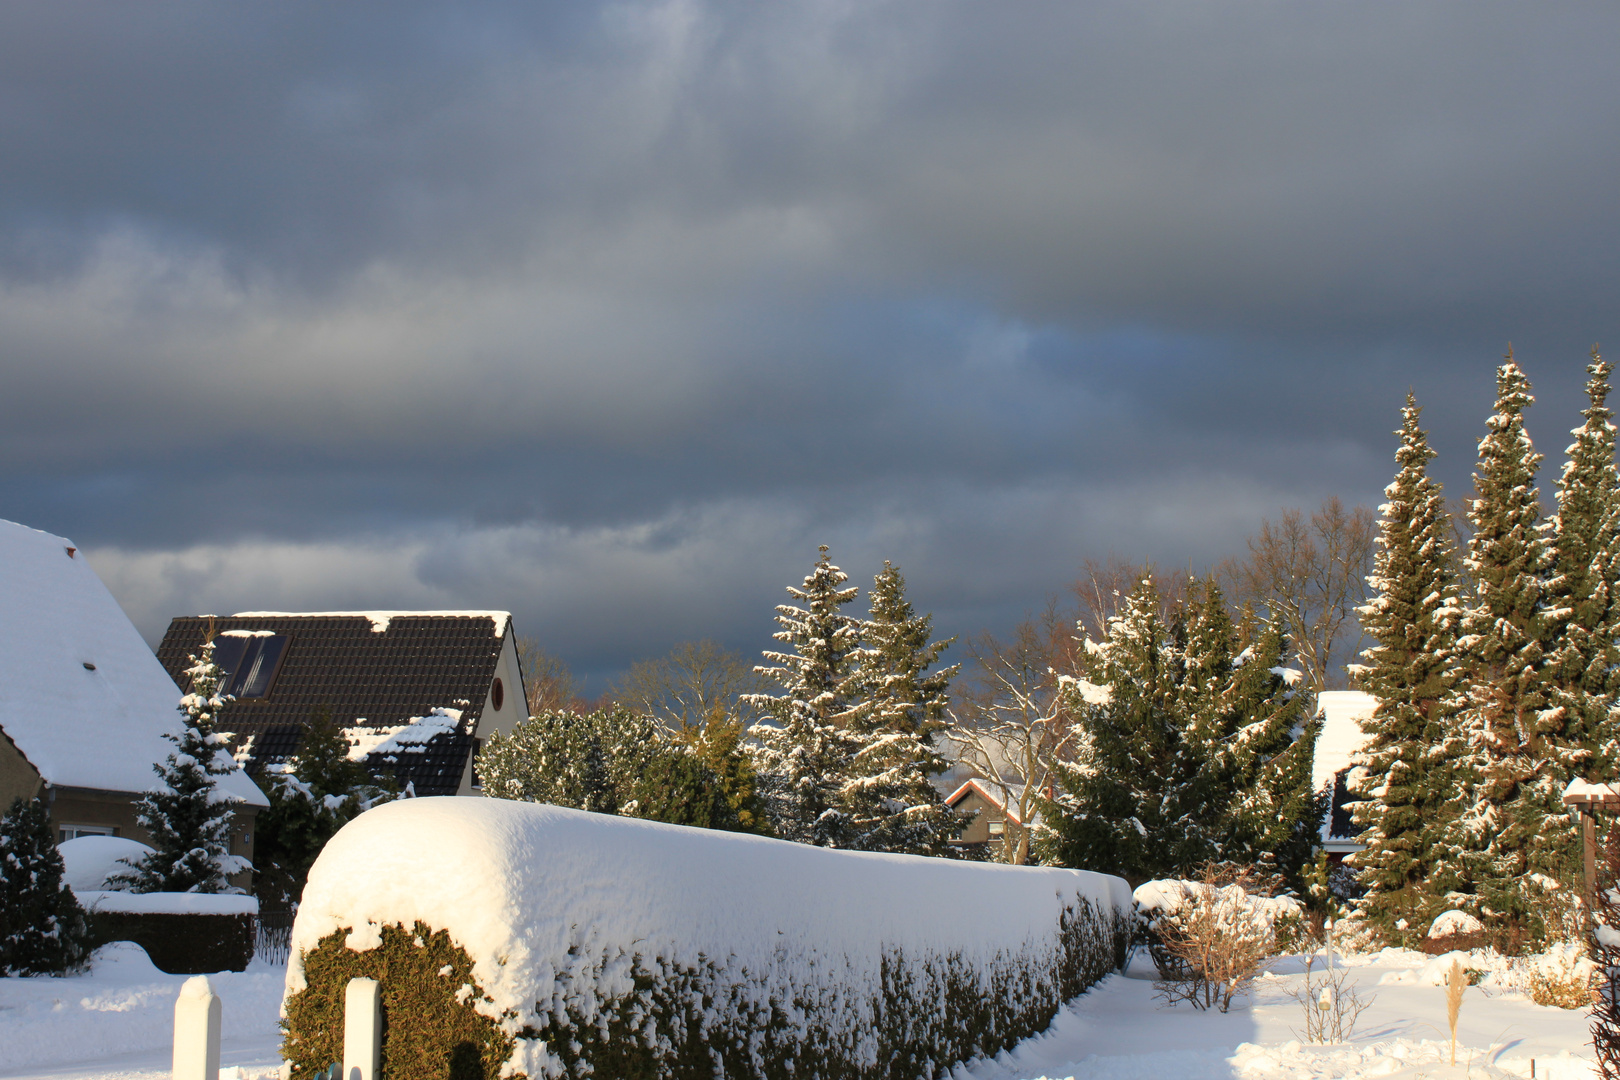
(81, 695)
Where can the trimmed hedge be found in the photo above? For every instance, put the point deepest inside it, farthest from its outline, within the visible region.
(181, 943)
(930, 1014)
(522, 940)
(428, 1030)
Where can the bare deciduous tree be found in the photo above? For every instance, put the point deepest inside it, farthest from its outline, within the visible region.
(1012, 725)
(1312, 575)
(695, 682)
(548, 683)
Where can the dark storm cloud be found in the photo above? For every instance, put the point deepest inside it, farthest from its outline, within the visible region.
(620, 308)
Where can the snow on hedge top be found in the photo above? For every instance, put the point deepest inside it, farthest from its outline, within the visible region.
(381, 619)
(169, 903)
(88, 861)
(81, 695)
(519, 885)
(1342, 712)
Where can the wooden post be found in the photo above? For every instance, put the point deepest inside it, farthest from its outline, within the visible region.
(1589, 861)
(196, 1031)
(362, 1029)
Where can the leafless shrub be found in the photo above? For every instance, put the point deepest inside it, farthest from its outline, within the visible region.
(1219, 941)
(1332, 1004)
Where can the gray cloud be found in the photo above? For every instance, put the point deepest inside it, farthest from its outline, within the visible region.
(618, 310)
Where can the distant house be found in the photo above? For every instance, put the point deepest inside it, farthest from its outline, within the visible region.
(417, 692)
(84, 704)
(984, 813)
(1341, 738)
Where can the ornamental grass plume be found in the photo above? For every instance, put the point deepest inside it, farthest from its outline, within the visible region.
(1456, 982)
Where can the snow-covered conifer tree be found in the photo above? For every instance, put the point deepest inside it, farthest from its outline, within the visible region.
(188, 820)
(892, 804)
(1584, 666)
(43, 930)
(1508, 764)
(1192, 751)
(804, 755)
(1411, 670)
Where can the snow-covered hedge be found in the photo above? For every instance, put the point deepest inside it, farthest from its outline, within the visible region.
(590, 944)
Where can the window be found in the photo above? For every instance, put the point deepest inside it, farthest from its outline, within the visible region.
(251, 659)
(998, 828)
(497, 694)
(73, 832)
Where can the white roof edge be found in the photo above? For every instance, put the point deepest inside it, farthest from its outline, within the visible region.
(380, 619)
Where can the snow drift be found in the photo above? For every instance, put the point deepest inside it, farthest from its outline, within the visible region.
(585, 929)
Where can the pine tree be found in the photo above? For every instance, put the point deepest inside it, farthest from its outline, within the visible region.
(892, 804)
(1411, 670)
(43, 930)
(311, 797)
(1584, 665)
(1507, 766)
(1275, 818)
(1119, 804)
(804, 755)
(188, 821)
(1195, 752)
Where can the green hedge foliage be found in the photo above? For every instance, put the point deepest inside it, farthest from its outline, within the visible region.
(690, 1022)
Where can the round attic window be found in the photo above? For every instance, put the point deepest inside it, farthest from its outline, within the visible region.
(497, 695)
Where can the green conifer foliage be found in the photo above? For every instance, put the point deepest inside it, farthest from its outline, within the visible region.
(1194, 751)
(188, 822)
(1411, 670)
(1585, 662)
(1506, 826)
(804, 753)
(43, 930)
(892, 804)
(311, 798)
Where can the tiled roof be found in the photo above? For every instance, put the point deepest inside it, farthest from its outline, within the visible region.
(375, 678)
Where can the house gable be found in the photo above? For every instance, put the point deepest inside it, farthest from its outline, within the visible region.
(415, 687)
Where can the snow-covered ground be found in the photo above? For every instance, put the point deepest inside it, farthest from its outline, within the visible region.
(114, 1024)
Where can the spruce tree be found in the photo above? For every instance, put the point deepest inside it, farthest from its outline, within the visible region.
(43, 930)
(804, 754)
(189, 823)
(1196, 752)
(892, 804)
(311, 797)
(1585, 662)
(1411, 670)
(1506, 825)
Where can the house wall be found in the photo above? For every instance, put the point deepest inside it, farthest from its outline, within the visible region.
(116, 809)
(512, 712)
(980, 812)
(18, 777)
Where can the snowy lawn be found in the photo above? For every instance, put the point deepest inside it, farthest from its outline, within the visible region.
(114, 1023)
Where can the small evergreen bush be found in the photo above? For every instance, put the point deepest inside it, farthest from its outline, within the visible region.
(43, 930)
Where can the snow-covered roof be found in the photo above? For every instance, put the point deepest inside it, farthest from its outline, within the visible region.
(380, 619)
(1342, 712)
(81, 695)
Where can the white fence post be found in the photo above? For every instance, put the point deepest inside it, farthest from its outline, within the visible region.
(196, 1031)
(362, 1029)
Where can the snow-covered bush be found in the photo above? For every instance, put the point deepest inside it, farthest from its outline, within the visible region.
(1209, 941)
(608, 946)
(1561, 976)
(42, 927)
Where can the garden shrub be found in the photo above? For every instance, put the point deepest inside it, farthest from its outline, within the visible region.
(556, 943)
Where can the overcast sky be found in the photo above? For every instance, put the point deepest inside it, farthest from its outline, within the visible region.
(610, 314)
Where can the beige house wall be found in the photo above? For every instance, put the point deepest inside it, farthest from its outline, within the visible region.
(513, 710)
(18, 777)
(980, 812)
(116, 810)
